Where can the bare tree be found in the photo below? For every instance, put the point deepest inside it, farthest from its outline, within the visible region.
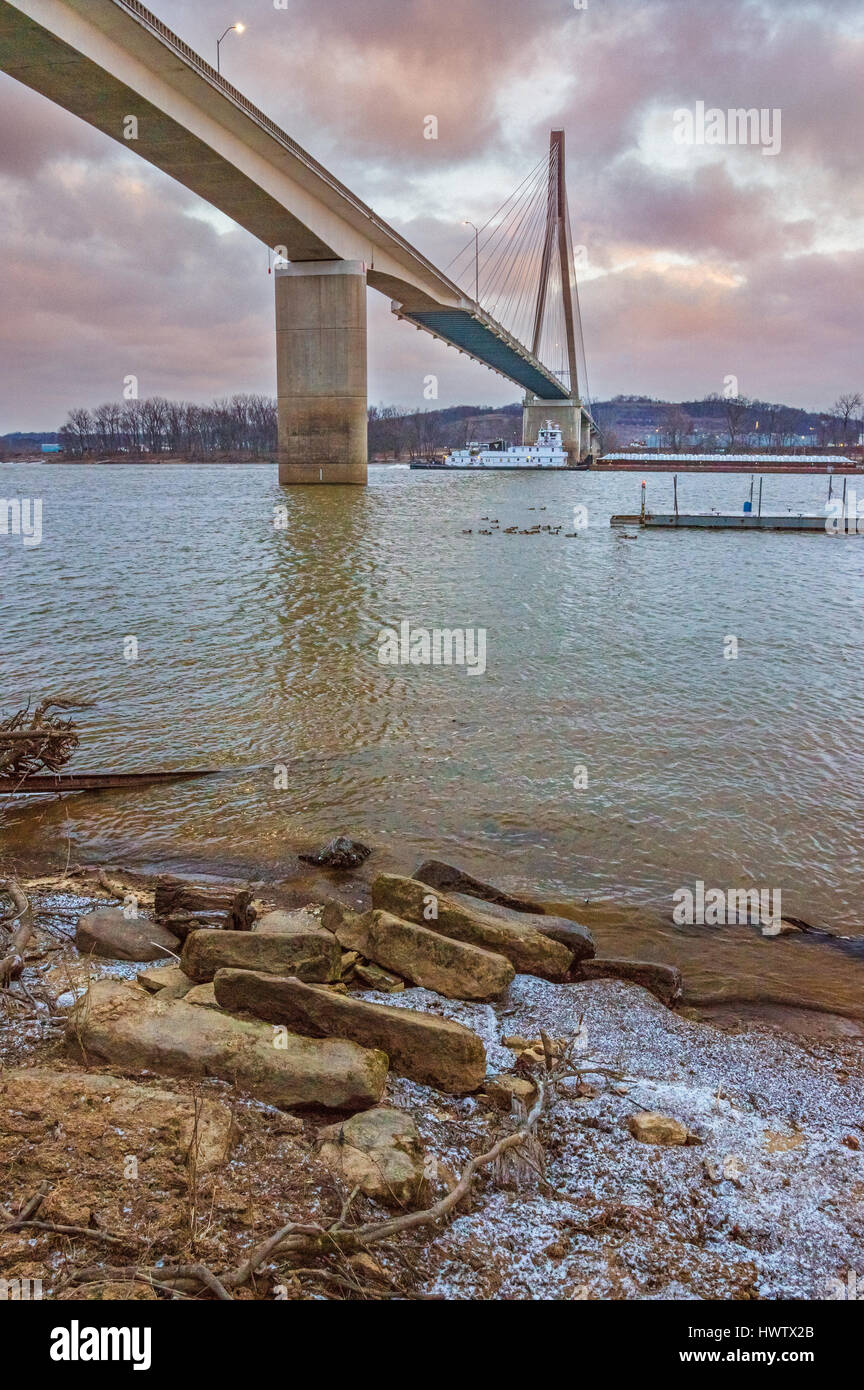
(844, 409)
(243, 424)
(675, 429)
(737, 417)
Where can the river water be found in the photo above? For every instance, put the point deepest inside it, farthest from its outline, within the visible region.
(257, 650)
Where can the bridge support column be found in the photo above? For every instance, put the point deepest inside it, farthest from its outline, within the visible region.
(321, 372)
(568, 415)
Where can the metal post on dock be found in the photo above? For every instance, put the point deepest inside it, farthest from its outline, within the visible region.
(675, 493)
(845, 481)
(830, 484)
(759, 513)
(642, 513)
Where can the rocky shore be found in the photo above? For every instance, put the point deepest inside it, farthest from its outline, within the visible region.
(210, 1090)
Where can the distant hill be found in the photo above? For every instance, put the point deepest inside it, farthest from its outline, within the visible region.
(23, 445)
(625, 421)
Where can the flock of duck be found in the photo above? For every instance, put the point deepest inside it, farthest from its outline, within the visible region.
(537, 530)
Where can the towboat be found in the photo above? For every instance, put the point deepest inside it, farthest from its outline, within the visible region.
(547, 452)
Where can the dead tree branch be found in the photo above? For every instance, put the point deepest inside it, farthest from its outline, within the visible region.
(21, 917)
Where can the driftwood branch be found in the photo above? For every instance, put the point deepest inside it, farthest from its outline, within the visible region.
(29, 1209)
(38, 743)
(21, 917)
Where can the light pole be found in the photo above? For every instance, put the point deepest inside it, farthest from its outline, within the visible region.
(467, 223)
(236, 28)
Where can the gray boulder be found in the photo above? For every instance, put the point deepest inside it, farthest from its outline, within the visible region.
(107, 932)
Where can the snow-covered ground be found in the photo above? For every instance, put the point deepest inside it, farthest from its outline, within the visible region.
(769, 1205)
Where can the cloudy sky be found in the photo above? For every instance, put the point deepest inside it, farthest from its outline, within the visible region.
(702, 260)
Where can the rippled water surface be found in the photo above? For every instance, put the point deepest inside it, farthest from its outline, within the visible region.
(258, 647)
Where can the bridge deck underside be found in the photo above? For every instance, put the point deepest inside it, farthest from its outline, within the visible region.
(464, 330)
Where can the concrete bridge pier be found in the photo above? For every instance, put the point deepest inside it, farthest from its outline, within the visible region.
(568, 415)
(321, 372)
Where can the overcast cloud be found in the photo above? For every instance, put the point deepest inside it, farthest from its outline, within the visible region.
(702, 260)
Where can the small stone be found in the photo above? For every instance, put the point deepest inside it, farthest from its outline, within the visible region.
(340, 853)
(777, 1143)
(364, 1264)
(729, 1168)
(517, 1043)
(851, 1141)
(649, 1127)
(163, 977)
(504, 1089)
(203, 995)
(288, 1124)
(376, 978)
(379, 1151)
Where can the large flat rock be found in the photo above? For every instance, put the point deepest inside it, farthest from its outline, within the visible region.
(108, 932)
(576, 937)
(119, 1023)
(452, 880)
(664, 981)
(428, 1049)
(310, 955)
(452, 968)
(513, 935)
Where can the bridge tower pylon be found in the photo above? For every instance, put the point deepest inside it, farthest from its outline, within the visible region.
(577, 427)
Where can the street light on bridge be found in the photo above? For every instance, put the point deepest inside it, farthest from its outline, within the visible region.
(232, 28)
(467, 223)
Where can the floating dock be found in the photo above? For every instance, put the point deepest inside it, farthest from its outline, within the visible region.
(746, 520)
(715, 520)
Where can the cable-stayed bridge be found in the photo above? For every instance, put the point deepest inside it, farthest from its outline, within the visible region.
(114, 64)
